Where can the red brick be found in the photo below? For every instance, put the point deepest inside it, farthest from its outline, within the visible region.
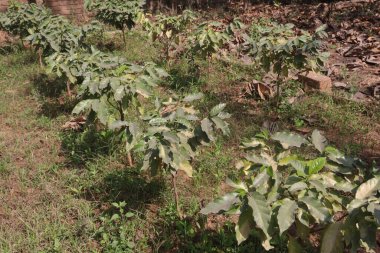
(316, 81)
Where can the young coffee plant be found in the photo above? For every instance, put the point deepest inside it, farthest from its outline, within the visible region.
(172, 134)
(73, 65)
(56, 34)
(20, 18)
(208, 39)
(279, 49)
(113, 93)
(293, 187)
(168, 29)
(119, 13)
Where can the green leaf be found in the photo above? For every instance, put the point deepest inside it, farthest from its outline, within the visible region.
(286, 213)
(221, 124)
(83, 105)
(368, 188)
(374, 208)
(289, 139)
(193, 97)
(299, 186)
(217, 109)
(319, 141)
(355, 204)
(244, 225)
(206, 126)
(332, 241)
(237, 185)
(294, 246)
(319, 212)
(253, 143)
(221, 204)
(314, 166)
(300, 167)
(261, 211)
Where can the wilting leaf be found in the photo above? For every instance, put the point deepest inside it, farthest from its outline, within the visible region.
(289, 139)
(221, 204)
(186, 167)
(286, 213)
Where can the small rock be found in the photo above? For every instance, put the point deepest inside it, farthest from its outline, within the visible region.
(340, 85)
(359, 97)
(316, 81)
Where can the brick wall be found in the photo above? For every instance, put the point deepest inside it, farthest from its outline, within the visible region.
(66, 7)
(3, 5)
(63, 7)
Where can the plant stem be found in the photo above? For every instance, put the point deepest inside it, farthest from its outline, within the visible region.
(68, 88)
(278, 82)
(174, 181)
(40, 57)
(130, 159)
(124, 39)
(122, 118)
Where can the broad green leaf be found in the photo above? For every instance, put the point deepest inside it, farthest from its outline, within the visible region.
(318, 140)
(83, 105)
(221, 124)
(239, 185)
(286, 213)
(220, 204)
(368, 188)
(356, 203)
(375, 210)
(289, 139)
(253, 143)
(261, 211)
(244, 225)
(319, 212)
(294, 246)
(206, 126)
(338, 157)
(314, 166)
(260, 179)
(299, 186)
(287, 160)
(193, 97)
(300, 168)
(332, 241)
(262, 160)
(217, 109)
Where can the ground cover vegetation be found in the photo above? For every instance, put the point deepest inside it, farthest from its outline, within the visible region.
(145, 159)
